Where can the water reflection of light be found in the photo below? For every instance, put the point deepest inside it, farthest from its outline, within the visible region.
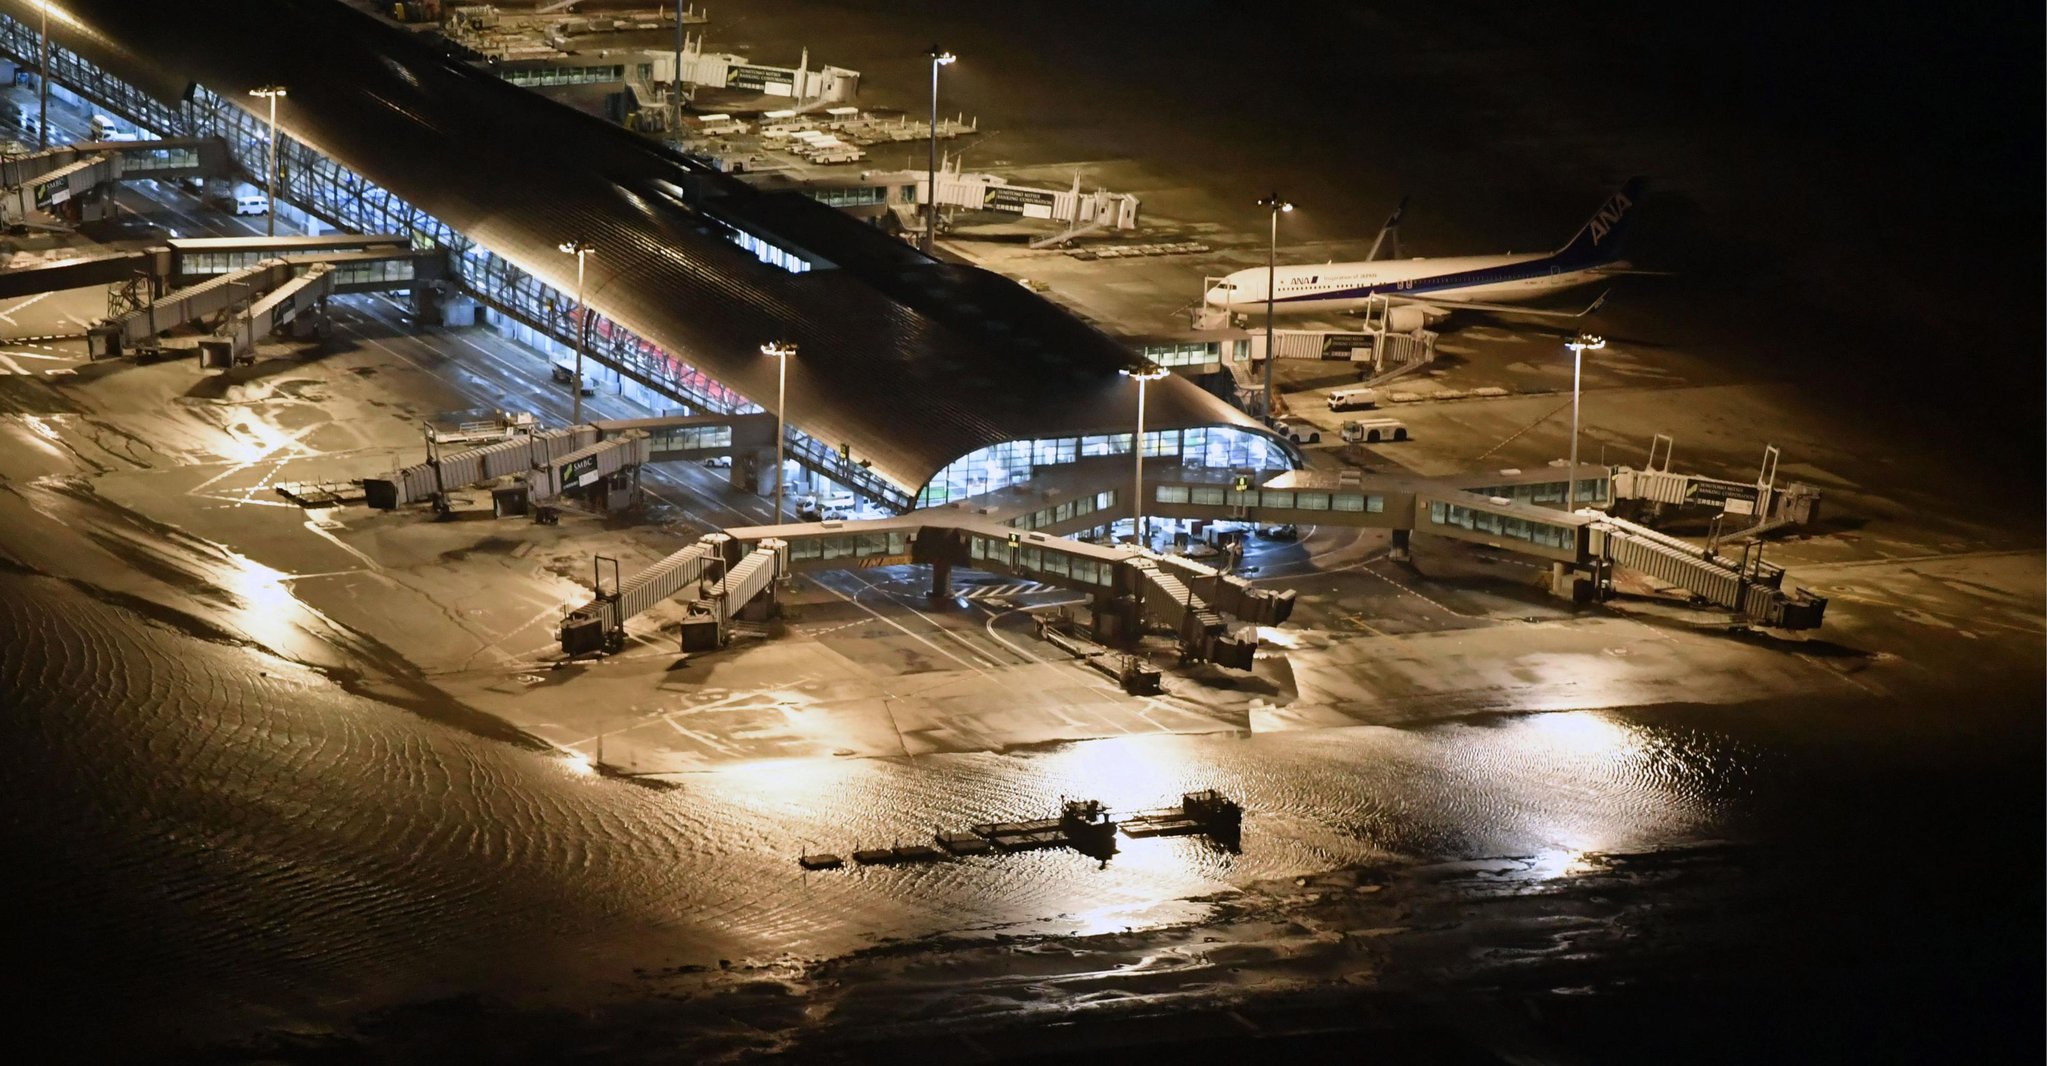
(269, 611)
(1581, 734)
(1553, 863)
(1126, 773)
(1273, 636)
(580, 764)
(1593, 755)
(802, 785)
(254, 441)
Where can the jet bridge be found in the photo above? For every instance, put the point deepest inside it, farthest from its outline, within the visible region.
(134, 329)
(41, 193)
(599, 624)
(427, 481)
(300, 296)
(1124, 582)
(1745, 584)
(587, 466)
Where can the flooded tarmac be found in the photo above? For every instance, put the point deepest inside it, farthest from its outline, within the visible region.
(238, 845)
(247, 826)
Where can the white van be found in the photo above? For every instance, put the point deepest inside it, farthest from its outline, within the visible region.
(1352, 399)
(1374, 430)
(103, 128)
(254, 203)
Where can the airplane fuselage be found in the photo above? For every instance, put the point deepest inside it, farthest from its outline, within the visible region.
(1331, 287)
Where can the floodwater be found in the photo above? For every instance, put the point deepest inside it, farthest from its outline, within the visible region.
(210, 834)
(215, 841)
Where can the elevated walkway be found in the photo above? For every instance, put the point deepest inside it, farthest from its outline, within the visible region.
(1126, 584)
(1512, 510)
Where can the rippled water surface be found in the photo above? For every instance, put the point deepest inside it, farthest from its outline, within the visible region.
(231, 836)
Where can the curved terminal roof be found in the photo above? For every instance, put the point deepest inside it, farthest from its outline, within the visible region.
(912, 361)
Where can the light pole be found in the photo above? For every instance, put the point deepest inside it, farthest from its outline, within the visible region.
(1276, 205)
(939, 57)
(271, 92)
(1143, 374)
(1578, 345)
(781, 353)
(581, 250)
(43, 82)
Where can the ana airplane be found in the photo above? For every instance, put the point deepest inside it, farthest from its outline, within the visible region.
(1418, 291)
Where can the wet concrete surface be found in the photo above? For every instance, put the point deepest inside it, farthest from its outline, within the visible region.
(306, 784)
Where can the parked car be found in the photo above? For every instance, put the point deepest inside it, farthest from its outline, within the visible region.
(565, 372)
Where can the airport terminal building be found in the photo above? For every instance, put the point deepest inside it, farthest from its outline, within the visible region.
(916, 381)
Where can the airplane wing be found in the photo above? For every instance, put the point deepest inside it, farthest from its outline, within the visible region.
(1621, 266)
(1504, 309)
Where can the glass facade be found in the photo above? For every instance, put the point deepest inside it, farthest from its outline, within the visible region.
(690, 438)
(1223, 496)
(1066, 512)
(572, 75)
(1508, 526)
(857, 196)
(1183, 353)
(1590, 490)
(849, 545)
(1011, 462)
(768, 251)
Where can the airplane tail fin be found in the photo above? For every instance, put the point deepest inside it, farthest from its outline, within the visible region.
(1599, 241)
(1392, 229)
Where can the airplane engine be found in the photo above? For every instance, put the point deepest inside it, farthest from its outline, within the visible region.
(1406, 319)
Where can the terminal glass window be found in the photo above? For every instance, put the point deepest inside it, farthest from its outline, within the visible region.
(1183, 353)
(858, 196)
(1000, 465)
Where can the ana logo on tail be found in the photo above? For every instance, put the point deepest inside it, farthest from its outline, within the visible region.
(1609, 213)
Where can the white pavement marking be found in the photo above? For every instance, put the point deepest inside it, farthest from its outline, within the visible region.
(9, 313)
(949, 632)
(1413, 593)
(12, 366)
(320, 531)
(39, 355)
(919, 638)
(995, 616)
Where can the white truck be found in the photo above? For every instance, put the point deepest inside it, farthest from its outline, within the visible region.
(1353, 399)
(1297, 432)
(1374, 430)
